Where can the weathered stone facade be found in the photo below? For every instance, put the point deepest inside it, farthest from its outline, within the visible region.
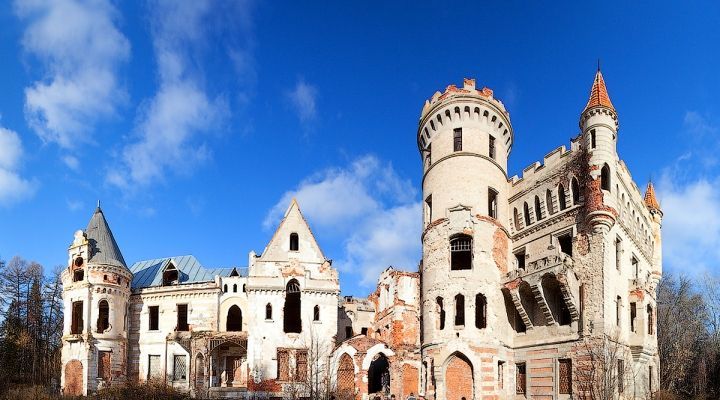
(525, 286)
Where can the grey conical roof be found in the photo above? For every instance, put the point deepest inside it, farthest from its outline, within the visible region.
(103, 248)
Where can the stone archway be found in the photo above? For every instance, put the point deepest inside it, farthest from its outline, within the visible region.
(346, 378)
(73, 378)
(459, 378)
(379, 375)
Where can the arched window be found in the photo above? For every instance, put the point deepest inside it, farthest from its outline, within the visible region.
(234, 287)
(461, 252)
(103, 321)
(292, 321)
(561, 197)
(538, 212)
(575, 191)
(225, 288)
(244, 288)
(459, 310)
(294, 242)
(526, 211)
(441, 313)
(268, 311)
(549, 202)
(170, 275)
(234, 319)
(516, 219)
(316, 313)
(605, 178)
(480, 311)
(492, 203)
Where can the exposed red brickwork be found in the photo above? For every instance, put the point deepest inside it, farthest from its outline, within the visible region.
(514, 284)
(283, 365)
(268, 385)
(458, 379)
(73, 378)
(104, 365)
(410, 380)
(433, 224)
(582, 244)
(500, 250)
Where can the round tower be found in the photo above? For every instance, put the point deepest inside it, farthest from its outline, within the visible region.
(96, 290)
(599, 127)
(464, 138)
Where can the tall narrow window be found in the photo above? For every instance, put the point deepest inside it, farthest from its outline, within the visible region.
(650, 378)
(182, 318)
(441, 313)
(316, 313)
(457, 139)
(301, 366)
(492, 203)
(225, 288)
(633, 315)
(621, 375)
(294, 242)
(233, 322)
(526, 211)
(428, 209)
(292, 321)
(650, 322)
(461, 252)
(520, 378)
(520, 259)
(429, 154)
(480, 311)
(538, 211)
(565, 376)
(565, 242)
(575, 191)
(234, 287)
(104, 365)
(491, 150)
(283, 365)
(268, 311)
(516, 219)
(592, 139)
(618, 305)
(605, 178)
(549, 202)
(103, 321)
(77, 318)
(501, 375)
(348, 332)
(635, 267)
(459, 310)
(153, 313)
(561, 197)
(618, 252)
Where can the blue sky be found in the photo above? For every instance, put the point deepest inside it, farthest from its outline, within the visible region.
(195, 122)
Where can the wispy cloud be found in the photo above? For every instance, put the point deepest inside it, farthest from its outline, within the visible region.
(168, 136)
(368, 203)
(303, 99)
(80, 49)
(13, 187)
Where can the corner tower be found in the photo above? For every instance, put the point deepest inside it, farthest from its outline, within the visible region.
(464, 138)
(599, 128)
(96, 289)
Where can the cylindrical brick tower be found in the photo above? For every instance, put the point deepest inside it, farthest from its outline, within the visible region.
(464, 138)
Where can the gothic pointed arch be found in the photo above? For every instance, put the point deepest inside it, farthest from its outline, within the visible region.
(459, 372)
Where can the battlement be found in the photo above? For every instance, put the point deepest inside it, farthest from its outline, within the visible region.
(468, 89)
(550, 160)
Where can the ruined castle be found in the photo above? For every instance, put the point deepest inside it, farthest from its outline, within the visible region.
(541, 286)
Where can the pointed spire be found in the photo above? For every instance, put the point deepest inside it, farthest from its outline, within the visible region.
(103, 248)
(650, 198)
(598, 93)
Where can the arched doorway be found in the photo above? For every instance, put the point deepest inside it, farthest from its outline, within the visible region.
(379, 375)
(346, 378)
(459, 378)
(234, 319)
(292, 323)
(199, 372)
(73, 378)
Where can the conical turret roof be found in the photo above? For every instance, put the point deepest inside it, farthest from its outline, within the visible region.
(598, 94)
(650, 198)
(103, 248)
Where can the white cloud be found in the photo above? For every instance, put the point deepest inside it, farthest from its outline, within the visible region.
(13, 187)
(72, 162)
(80, 49)
(74, 205)
(697, 124)
(170, 124)
(303, 99)
(369, 204)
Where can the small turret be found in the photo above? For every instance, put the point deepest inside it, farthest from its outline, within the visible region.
(651, 200)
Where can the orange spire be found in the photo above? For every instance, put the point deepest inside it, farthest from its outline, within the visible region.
(650, 199)
(598, 94)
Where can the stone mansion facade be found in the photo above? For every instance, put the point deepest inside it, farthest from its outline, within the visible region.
(541, 286)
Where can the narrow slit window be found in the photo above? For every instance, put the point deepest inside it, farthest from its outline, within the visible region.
(459, 310)
(294, 242)
(491, 149)
(316, 313)
(633, 315)
(618, 252)
(526, 212)
(441, 313)
(153, 313)
(549, 202)
(575, 191)
(561, 197)
(268, 311)
(538, 210)
(480, 311)
(593, 138)
(457, 139)
(492, 203)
